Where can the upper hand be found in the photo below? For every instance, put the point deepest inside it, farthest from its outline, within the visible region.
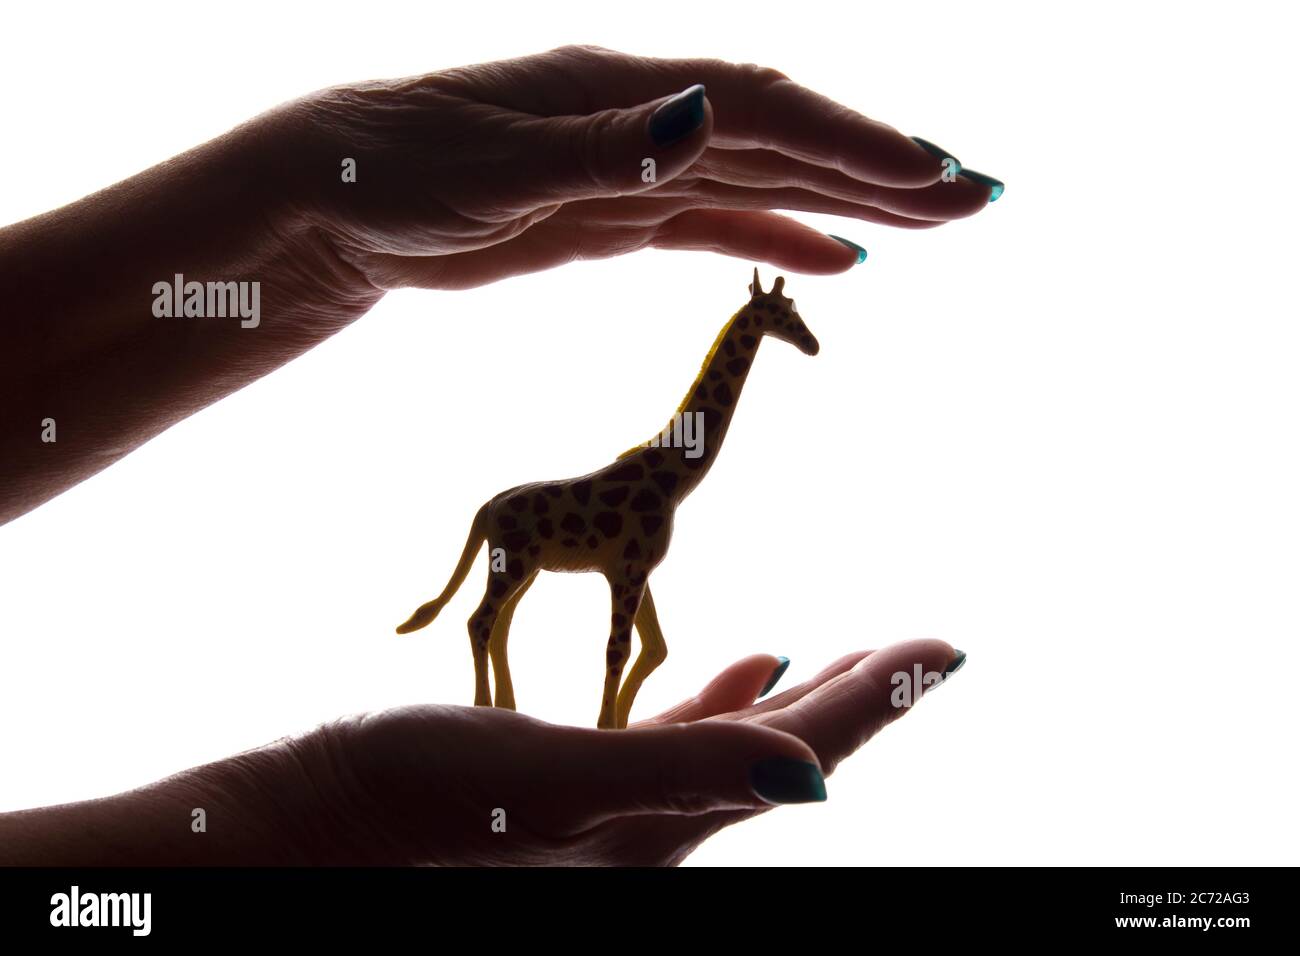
(476, 173)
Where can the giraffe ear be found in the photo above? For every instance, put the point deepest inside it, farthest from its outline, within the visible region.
(756, 288)
(778, 285)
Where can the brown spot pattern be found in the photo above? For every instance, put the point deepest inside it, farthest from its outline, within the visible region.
(666, 481)
(614, 497)
(645, 500)
(608, 523)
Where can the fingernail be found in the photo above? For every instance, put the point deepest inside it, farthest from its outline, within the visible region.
(955, 666)
(776, 675)
(994, 184)
(678, 117)
(938, 152)
(862, 253)
(786, 780)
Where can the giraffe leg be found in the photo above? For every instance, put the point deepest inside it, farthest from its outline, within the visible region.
(480, 629)
(501, 588)
(654, 650)
(505, 692)
(626, 598)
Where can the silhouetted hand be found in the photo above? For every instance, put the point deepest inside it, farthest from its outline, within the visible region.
(472, 174)
(424, 784)
(462, 177)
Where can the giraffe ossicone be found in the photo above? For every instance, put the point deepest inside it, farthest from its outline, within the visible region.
(616, 521)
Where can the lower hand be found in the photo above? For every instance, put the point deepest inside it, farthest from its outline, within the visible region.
(424, 784)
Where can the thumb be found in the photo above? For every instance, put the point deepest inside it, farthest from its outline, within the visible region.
(615, 152)
(679, 769)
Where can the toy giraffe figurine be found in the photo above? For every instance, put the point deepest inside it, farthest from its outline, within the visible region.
(617, 520)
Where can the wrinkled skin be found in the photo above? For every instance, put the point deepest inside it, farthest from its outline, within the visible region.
(476, 173)
(420, 784)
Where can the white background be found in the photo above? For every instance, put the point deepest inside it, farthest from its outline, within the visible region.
(1060, 436)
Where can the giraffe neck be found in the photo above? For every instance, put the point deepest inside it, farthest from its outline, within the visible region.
(690, 443)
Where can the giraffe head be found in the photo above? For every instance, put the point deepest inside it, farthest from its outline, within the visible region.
(779, 318)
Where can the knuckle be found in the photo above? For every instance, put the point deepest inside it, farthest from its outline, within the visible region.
(590, 140)
(760, 77)
(677, 784)
(582, 52)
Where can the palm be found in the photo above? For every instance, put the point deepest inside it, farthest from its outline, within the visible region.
(425, 781)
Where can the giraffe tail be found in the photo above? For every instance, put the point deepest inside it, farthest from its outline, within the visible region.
(425, 613)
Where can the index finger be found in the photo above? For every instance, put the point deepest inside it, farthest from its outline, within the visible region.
(842, 715)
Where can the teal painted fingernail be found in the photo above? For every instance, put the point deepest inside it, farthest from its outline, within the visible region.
(938, 152)
(862, 253)
(678, 117)
(786, 780)
(994, 184)
(955, 666)
(776, 675)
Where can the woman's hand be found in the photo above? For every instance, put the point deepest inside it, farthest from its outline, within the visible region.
(478, 785)
(427, 784)
(476, 173)
(462, 177)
